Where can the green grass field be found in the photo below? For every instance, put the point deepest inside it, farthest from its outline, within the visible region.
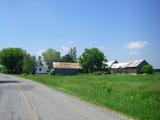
(136, 96)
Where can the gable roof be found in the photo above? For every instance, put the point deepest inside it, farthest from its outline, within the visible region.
(130, 64)
(119, 65)
(134, 63)
(110, 63)
(65, 65)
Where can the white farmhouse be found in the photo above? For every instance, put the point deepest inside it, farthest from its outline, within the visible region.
(41, 70)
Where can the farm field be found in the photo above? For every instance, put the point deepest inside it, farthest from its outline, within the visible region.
(135, 96)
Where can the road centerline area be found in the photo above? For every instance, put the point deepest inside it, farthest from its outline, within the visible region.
(28, 103)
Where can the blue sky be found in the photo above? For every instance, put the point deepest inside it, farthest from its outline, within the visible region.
(123, 29)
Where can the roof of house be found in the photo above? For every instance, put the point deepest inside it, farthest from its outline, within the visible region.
(130, 64)
(65, 65)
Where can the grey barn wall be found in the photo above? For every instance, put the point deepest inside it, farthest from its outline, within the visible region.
(140, 66)
(67, 71)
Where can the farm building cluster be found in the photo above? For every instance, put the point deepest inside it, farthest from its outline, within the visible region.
(66, 68)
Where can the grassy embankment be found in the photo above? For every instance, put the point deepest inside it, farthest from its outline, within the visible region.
(136, 96)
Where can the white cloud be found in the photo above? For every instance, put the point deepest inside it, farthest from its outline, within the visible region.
(136, 45)
(65, 48)
(39, 52)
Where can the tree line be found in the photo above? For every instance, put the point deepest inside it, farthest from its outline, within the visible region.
(17, 60)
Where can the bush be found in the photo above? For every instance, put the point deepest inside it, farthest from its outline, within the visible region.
(108, 71)
(148, 69)
(25, 74)
(103, 72)
(3, 69)
(98, 73)
(107, 86)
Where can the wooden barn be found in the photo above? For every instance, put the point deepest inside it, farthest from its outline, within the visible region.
(65, 68)
(128, 67)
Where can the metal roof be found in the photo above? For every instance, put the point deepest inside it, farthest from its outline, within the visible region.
(134, 63)
(65, 65)
(130, 64)
(110, 63)
(119, 65)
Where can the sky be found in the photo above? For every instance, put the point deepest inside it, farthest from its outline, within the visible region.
(124, 30)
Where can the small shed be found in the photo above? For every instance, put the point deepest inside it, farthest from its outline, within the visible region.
(65, 68)
(41, 70)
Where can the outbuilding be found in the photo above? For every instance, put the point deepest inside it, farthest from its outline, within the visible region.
(65, 68)
(128, 67)
(41, 70)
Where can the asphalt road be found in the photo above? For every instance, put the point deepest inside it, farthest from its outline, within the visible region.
(22, 99)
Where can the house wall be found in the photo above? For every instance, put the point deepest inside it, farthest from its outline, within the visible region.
(41, 70)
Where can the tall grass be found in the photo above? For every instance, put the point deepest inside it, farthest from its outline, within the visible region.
(137, 96)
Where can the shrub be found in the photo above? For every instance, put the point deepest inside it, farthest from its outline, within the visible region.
(107, 86)
(3, 69)
(25, 74)
(98, 73)
(148, 69)
(103, 72)
(108, 71)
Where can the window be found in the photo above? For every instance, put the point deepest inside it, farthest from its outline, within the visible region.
(40, 69)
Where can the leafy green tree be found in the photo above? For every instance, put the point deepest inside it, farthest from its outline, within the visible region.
(51, 56)
(73, 53)
(12, 59)
(67, 58)
(148, 69)
(92, 60)
(29, 64)
(39, 61)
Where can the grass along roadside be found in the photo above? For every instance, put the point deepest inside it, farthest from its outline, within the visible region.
(136, 96)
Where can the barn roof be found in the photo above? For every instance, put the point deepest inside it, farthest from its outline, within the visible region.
(110, 63)
(130, 64)
(65, 65)
(134, 63)
(119, 65)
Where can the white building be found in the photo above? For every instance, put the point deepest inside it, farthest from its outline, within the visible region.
(41, 70)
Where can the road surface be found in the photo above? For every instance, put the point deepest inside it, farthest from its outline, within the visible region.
(22, 99)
